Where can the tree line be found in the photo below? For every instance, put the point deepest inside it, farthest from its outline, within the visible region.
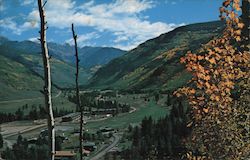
(90, 104)
(36, 112)
(161, 139)
(25, 149)
(21, 150)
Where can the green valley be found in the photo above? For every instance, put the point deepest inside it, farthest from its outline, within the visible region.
(22, 71)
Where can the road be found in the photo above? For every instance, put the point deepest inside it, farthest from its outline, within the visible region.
(29, 99)
(133, 110)
(42, 125)
(25, 130)
(103, 151)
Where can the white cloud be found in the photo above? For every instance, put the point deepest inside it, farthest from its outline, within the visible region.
(10, 24)
(117, 17)
(131, 7)
(121, 38)
(118, 7)
(30, 22)
(33, 18)
(60, 4)
(122, 18)
(34, 39)
(125, 47)
(26, 2)
(82, 40)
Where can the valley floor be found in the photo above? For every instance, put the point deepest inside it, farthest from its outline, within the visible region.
(139, 109)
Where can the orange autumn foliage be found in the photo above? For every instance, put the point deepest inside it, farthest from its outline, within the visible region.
(219, 64)
(223, 63)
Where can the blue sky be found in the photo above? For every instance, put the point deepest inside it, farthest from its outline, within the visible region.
(116, 23)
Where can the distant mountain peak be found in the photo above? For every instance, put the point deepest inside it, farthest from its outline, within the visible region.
(90, 56)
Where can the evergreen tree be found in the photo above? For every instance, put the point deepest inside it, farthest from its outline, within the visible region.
(19, 114)
(136, 136)
(33, 114)
(161, 139)
(32, 151)
(1, 141)
(8, 154)
(19, 139)
(168, 99)
(157, 96)
(59, 142)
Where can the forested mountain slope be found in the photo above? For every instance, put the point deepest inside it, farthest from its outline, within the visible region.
(62, 72)
(21, 68)
(155, 63)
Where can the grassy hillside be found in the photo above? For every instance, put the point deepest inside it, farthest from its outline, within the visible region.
(155, 63)
(16, 80)
(63, 74)
(24, 70)
(21, 72)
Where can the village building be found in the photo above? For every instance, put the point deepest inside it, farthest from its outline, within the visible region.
(65, 155)
(90, 146)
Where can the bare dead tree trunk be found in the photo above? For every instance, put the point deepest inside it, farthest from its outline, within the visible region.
(78, 102)
(47, 79)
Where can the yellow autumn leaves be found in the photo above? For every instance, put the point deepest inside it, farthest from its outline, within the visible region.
(217, 68)
(218, 65)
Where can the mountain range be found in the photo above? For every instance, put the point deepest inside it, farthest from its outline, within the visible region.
(21, 66)
(154, 64)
